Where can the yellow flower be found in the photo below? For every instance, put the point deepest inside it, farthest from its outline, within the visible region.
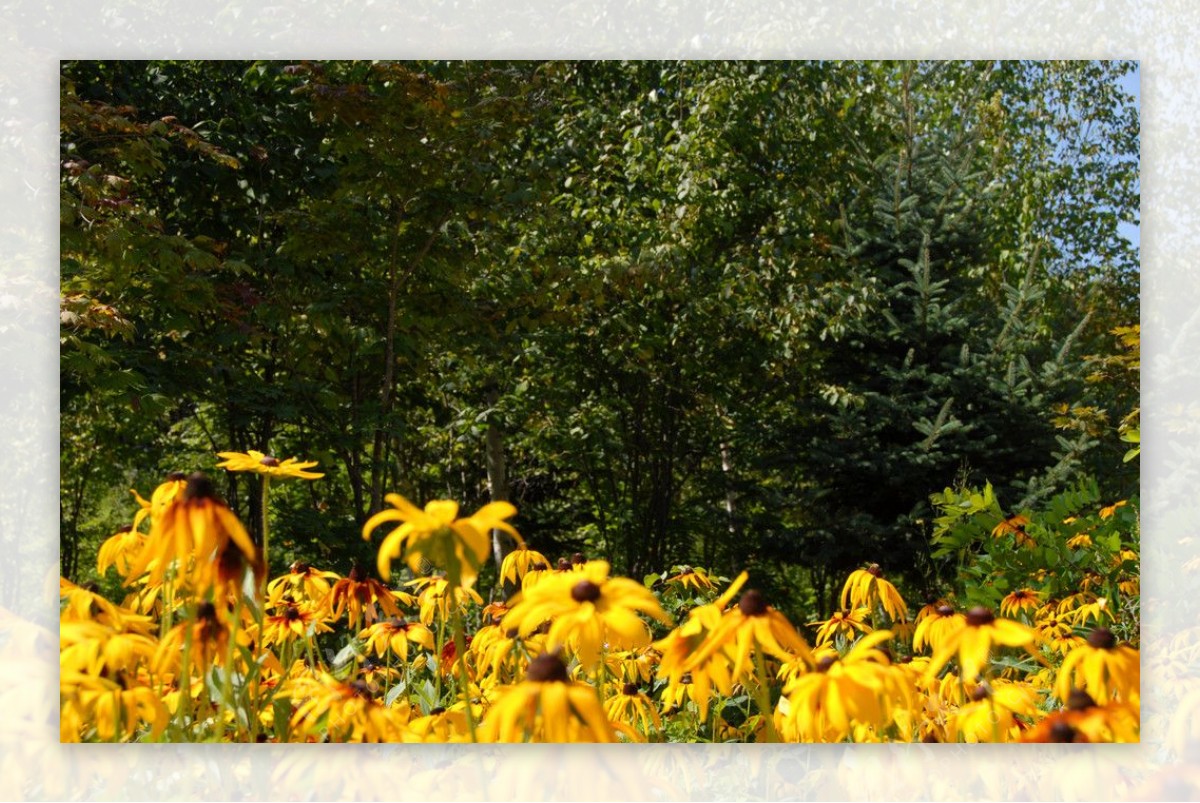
(193, 533)
(311, 583)
(273, 467)
(394, 634)
(110, 707)
(204, 637)
(164, 495)
(991, 716)
(435, 534)
(439, 599)
(1110, 511)
(547, 707)
(587, 610)
(1025, 599)
(362, 595)
(692, 577)
(345, 712)
(1101, 667)
(866, 587)
(684, 676)
(821, 706)
(973, 643)
(1016, 526)
(1079, 541)
(1084, 721)
(751, 624)
(934, 628)
(520, 562)
(294, 622)
(633, 708)
(846, 624)
(119, 551)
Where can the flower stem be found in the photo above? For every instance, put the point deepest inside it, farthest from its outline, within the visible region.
(266, 484)
(762, 695)
(460, 658)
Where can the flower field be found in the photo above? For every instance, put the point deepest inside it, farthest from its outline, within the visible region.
(1037, 640)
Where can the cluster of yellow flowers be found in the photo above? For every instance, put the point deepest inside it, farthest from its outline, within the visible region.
(200, 649)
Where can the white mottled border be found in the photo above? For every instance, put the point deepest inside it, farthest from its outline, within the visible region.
(35, 36)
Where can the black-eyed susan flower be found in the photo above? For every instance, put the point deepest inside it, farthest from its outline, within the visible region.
(685, 677)
(294, 622)
(394, 635)
(973, 643)
(823, 705)
(1082, 720)
(273, 467)
(934, 628)
(1015, 526)
(751, 624)
(588, 611)
(520, 562)
(1079, 541)
(867, 587)
(439, 599)
(1023, 599)
(343, 712)
(120, 550)
(846, 624)
(112, 708)
(547, 707)
(163, 496)
(1111, 510)
(633, 708)
(362, 596)
(994, 713)
(437, 535)
(203, 638)
(191, 534)
(303, 581)
(441, 725)
(1101, 667)
(96, 649)
(691, 577)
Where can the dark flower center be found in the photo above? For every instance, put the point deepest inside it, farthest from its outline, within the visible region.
(980, 616)
(578, 558)
(585, 591)
(826, 662)
(1079, 700)
(945, 610)
(291, 614)
(299, 567)
(207, 612)
(511, 633)
(176, 476)
(547, 668)
(1101, 639)
(439, 709)
(199, 486)
(396, 623)
(752, 603)
(126, 528)
(981, 692)
(564, 565)
(874, 570)
(1061, 732)
(358, 574)
(630, 689)
(538, 567)
(361, 689)
(270, 462)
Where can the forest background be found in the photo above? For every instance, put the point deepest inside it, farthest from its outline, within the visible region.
(730, 314)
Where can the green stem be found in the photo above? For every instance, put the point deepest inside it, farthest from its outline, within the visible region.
(460, 657)
(762, 695)
(266, 484)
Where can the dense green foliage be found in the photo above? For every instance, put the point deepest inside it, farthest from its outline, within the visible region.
(749, 315)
